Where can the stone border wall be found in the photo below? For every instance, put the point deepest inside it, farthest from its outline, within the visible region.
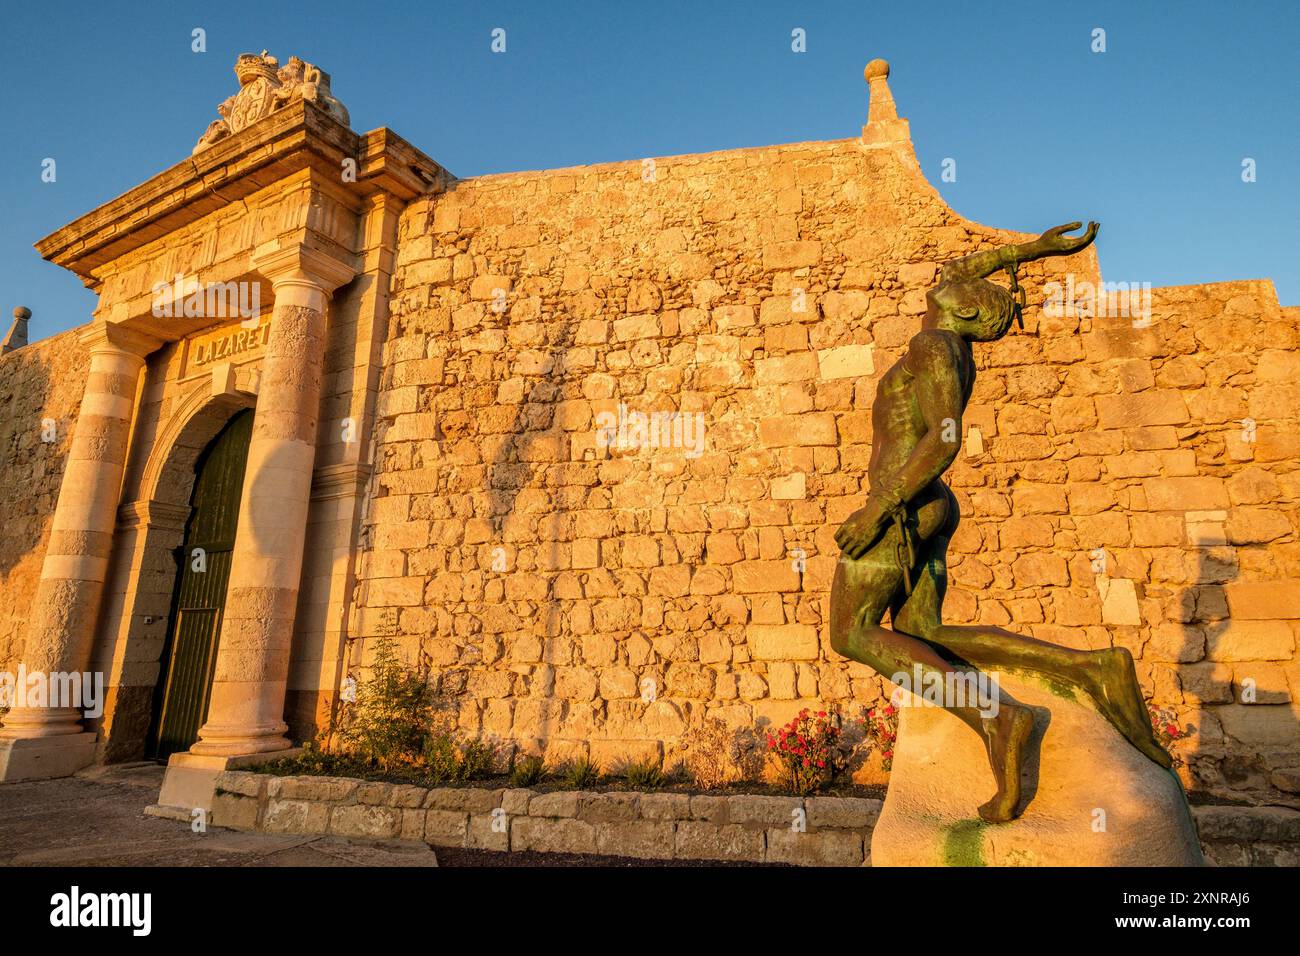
(662, 826)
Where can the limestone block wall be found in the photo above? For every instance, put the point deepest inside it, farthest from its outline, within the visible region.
(40, 393)
(835, 831)
(580, 598)
(552, 582)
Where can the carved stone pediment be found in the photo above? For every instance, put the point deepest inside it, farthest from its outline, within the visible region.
(264, 87)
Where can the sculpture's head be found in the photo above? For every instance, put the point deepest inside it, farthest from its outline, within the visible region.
(976, 309)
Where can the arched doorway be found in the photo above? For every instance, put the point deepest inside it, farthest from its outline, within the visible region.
(203, 569)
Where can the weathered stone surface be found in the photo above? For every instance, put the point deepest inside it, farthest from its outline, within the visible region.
(763, 811)
(847, 813)
(473, 799)
(706, 841)
(821, 848)
(1096, 802)
(295, 816)
(564, 803)
(665, 806)
(246, 784)
(312, 788)
(643, 840)
(488, 831)
(446, 827)
(545, 835)
(359, 820)
(607, 807)
(1248, 824)
(234, 810)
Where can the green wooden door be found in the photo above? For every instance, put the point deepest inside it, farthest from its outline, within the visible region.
(203, 570)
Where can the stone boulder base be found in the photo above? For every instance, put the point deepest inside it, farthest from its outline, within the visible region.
(1096, 801)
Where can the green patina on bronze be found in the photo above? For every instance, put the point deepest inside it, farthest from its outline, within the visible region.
(1055, 686)
(963, 843)
(894, 549)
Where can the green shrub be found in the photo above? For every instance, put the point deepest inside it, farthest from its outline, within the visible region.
(580, 774)
(477, 760)
(645, 775)
(389, 722)
(527, 772)
(441, 760)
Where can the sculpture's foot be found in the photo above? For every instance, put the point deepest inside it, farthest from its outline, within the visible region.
(1006, 738)
(1118, 694)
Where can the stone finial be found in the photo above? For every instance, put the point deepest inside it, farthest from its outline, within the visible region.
(881, 106)
(883, 125)
(264, 87)
(876, 68)
(17, 336)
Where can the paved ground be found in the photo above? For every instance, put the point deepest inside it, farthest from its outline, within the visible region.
(97, 819)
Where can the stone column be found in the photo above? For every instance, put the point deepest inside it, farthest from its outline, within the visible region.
(246, 712)
(50, 741)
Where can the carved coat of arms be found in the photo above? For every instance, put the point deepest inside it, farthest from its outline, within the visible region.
(264, 87)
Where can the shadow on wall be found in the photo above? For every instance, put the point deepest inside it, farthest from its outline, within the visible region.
(1238, 743)
(34, 442)
(518, 458)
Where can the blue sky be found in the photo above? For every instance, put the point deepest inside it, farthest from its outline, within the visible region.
(1148, 137)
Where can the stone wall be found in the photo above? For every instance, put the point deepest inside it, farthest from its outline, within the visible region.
(577, 598)
(40, 392)
(805, 831)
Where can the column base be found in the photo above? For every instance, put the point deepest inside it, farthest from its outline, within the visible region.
(45, 758)
(191, 779)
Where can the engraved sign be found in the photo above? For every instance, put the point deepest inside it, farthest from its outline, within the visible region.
(230, 343)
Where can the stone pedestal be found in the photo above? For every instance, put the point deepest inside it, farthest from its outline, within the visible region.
(190, 781)
(44, 758)
(1095, 800)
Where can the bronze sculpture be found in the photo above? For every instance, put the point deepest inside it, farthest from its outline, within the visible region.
(893, 550)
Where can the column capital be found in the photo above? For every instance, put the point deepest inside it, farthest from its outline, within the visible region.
(112, 337)
(301, 265)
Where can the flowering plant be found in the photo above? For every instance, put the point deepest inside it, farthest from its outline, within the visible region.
(810, 749)
(1164, 722)
(881, 726)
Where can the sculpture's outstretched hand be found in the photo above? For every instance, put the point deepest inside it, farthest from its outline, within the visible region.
(1055, 242)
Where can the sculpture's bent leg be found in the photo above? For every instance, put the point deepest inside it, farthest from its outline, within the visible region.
(1107, 676)
(861, 592)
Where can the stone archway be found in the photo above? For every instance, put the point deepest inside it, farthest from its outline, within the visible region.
(264, 209)
(142, 576)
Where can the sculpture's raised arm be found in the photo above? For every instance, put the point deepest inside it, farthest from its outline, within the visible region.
(1053, 242)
